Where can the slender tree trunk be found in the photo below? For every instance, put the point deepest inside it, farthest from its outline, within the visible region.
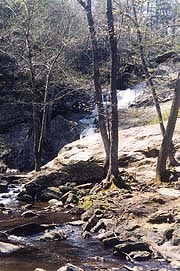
(98, 90)
(151, 84)
(161, 172)
(113, 163)
(37, 155)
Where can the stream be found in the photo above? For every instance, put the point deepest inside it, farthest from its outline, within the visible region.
(51, 254)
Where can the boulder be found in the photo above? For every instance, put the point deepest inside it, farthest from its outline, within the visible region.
(123, 249)
(27, 229)
(49, 193)
(72, 165)
(7, 248)
(111, 242)
(161, 217)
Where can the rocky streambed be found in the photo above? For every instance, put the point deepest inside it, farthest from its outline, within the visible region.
(114, 229)
(49, 235)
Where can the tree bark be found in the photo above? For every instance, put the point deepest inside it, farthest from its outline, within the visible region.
(113, 163)
(96, 77)
(161, 172)
(151, 84)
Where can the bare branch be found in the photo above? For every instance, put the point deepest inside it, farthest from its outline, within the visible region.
(82, 3)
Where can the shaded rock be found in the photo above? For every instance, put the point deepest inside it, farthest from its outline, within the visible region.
(70, 267)
(65, 188)
(126, 248)
(92, 221)
(25, 197)
(28, 214)
(165, 56)
(3, 186)
(131, 226)
(27, 229)
(16, 126)
(111, 242)
(103, 223)
(76, 223)
(140, 255)
(90, 212)
(55, 235)
(176, 237)
(3, 237)
(85, 186)
(125, 80)
(168, 234)
(161, 217)
(151, 152)
(74, 171)
(49, 193)
(158, 200)
(7, 248)
(69, 198)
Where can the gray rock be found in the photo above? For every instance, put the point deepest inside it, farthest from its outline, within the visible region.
(93, 220)
(103, 223)
(29, 213)
(3, 237)
(55, 235)
(161, 217)
(49, 193)
(27, 229)
(71, 198)
(140, 255)
(176, 237)
(7, 248)
(123, 249)
(111, 242)
(25, 197)
(70, 267)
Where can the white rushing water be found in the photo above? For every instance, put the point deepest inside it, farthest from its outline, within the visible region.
(10, 197)
(125, 99)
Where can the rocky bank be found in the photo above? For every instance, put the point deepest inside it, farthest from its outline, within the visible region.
(141, 223)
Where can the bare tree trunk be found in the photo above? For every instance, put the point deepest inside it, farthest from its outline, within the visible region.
(113, 163)
(98, 90)
(161, 172)
(151, 84)
(37, 155)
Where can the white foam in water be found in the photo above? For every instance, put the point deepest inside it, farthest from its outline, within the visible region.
(10, 197)
(129, 96)
(125, 98)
